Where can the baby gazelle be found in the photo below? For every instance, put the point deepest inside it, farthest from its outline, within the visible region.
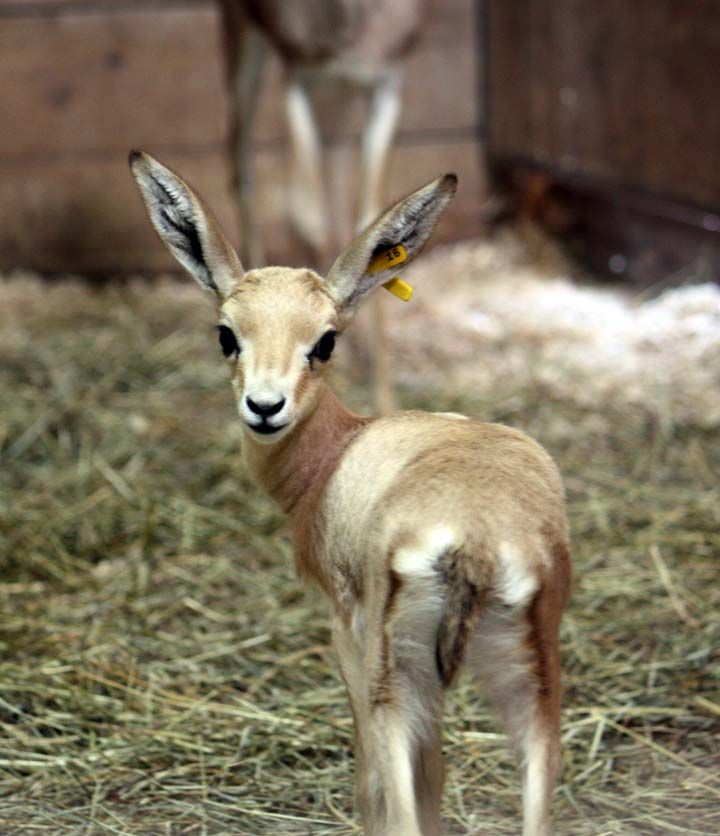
(438, 540)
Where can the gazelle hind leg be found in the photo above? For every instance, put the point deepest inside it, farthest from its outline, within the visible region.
(384, 780)
(516, 661)
(394, 745)
(541, 747)
(429, 776)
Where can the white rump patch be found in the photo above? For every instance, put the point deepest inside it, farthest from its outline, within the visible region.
(420, 561)
(515, 583)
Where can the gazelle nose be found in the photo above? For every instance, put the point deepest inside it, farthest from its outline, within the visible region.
(265, 410)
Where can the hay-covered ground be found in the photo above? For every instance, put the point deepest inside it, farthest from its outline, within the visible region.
(164, 672)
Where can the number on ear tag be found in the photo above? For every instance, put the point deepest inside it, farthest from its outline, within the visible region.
(391, 258)
(388, 258)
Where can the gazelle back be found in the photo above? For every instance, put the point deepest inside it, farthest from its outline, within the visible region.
(438, 540)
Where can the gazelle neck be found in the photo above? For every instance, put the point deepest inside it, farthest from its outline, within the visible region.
(295, 470)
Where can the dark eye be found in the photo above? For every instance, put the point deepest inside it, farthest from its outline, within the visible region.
(324, 347)
(228, 342)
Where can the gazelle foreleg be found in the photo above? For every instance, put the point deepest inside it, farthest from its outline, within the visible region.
(384, 111)
(308, 212)
(245, 51)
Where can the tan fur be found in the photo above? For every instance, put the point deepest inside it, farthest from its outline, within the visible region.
(438, 542)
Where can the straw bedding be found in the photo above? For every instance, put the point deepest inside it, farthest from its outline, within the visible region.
(164, 672)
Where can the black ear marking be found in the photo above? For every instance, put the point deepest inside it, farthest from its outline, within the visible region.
(186, 226)
(173, 214)
(177, 220)
(180, 224)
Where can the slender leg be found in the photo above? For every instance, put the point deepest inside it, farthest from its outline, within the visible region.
(398, 763)
(307, 193)
(369, 795)
(245, 51)
(384, 111)
(429, 775)
(517, 659)
(376, 141)
(540, 746)
(393, 741)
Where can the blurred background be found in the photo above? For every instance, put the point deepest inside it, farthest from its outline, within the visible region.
(161, 668)
(600, 120)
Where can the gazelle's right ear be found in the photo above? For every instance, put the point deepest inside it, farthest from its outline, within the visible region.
(186, 226)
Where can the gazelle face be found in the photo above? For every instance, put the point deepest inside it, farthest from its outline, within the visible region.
(277, 329)
(277, 325)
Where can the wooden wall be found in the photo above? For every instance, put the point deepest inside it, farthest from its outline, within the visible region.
(618, 102)
(83, 81)
(624, 91)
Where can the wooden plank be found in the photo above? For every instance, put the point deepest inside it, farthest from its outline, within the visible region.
(620, 91)
(681, 114)
(73, 83)
(509, 71)
(15, 8)
(85, 216)
(80, 89)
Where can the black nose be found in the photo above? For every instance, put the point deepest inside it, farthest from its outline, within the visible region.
(265, 409)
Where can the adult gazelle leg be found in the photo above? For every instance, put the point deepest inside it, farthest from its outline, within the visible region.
(384, 110)
(308, 212)
(245, 51)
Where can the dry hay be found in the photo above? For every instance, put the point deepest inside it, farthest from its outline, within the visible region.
(164, 672)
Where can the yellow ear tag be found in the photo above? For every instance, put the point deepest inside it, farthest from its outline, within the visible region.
(391, 258)
(399, 288)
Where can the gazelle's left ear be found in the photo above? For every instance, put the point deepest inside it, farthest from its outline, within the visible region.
(408, 223)
(186, 226)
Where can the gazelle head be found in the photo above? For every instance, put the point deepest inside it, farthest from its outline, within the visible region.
(277, 325)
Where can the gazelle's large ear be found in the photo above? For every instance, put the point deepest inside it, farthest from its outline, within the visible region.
(375, 257)
(186, 226)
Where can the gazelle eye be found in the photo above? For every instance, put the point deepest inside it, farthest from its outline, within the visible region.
(323, 347)
(228, 342)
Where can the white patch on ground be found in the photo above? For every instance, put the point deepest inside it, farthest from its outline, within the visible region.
(487, 318)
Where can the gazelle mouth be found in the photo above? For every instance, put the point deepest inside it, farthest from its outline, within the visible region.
(265, 429)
